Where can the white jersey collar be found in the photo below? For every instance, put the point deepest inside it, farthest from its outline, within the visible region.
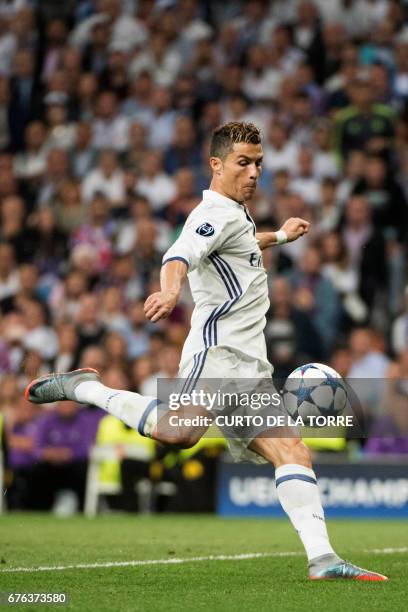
(215, 196)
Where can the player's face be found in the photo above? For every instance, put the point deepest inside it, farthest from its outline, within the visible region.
(240, 170)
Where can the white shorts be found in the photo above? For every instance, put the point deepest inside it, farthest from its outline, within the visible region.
(208, 371)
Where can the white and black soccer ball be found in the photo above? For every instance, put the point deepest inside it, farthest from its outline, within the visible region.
(314, 390)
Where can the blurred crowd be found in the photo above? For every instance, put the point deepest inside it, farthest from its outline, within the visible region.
(106, 110)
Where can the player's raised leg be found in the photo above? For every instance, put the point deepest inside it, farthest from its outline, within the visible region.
(299, 496)
(147, 414)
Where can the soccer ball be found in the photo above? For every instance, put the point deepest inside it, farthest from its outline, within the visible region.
(314, 390)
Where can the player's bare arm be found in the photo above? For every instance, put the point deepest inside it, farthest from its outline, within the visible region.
(293, 229)
(160, 304)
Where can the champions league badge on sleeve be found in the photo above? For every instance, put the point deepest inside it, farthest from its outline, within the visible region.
(205, 229)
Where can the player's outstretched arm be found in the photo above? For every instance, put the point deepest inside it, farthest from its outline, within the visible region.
(291, 230)
(160, 304)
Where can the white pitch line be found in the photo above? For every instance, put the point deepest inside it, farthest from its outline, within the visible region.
(178, 560)
(171, 561)
(387, 551)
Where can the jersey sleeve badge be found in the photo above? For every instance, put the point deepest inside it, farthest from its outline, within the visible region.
(205, 229)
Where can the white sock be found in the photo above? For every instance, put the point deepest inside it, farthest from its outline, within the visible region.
(137, 411)
(298, 494)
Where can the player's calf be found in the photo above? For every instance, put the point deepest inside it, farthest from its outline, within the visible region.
(282, 450)
(182, 430)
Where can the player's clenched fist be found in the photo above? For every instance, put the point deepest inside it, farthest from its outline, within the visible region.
(295, 227)
(159, 305)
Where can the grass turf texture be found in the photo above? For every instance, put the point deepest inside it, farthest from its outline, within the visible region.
(252, 584)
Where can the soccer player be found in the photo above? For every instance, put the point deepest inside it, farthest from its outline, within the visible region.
(220, 252)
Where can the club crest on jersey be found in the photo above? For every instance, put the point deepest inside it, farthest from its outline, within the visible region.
(205, 229)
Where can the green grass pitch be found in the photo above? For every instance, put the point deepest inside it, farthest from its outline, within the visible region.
(257, 584)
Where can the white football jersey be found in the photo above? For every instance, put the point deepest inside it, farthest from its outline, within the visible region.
(227, 279)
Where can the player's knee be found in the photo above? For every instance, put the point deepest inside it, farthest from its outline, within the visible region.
(294, 450)
(180, 439)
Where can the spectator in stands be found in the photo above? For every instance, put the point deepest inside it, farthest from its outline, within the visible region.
(124, 274)
(64, 298)
(31, 365)
(20, 435)
(61, 131)
(8, 182)
(115, 74)
(82, 153)
(122, 27)
(279, 151)
(338, 86)
(9, 281)
(385, 198)
(154, 183)
(389, 433)
(137, 334)
(364, 124)
(185, 198)
(30, 163)
(55, 38)
(329, 210)
(365, 248)
(51, 243)
(113, 306)
(399, 84)
(167, 368)
(13, 229)
(107, 179)
(291, 336)
(5, 135)
(305, 182)
(161, 127)
(94, 55)
(317, 298)
(9, 391)
(25, 96)
(68, 207)
(367, 372)
(28, 289)
(261, 80)
(56, 172)
(137, 146)
(115, 346)
(147, 257)
(109, 128)
(324, 161)
(334, 39)
(62, 442)
(140, 210)
(39, 336)
(97, 232)
(141, 370)
(137, 105)
(68, 341)
(160, 59)
(399, 329)
(184, 150)
(93, 356)
(85, 97)
(90, 328)
(343, 276)
(368, 361)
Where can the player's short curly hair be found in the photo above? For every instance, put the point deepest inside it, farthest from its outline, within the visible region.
(225, 136)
